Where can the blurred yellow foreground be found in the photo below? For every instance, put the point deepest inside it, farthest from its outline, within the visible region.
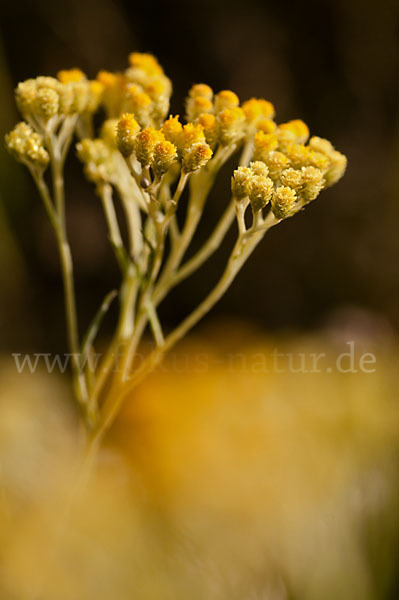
(220, 481)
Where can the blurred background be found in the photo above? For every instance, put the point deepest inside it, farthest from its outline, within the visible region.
(334, 64)
(265, 486)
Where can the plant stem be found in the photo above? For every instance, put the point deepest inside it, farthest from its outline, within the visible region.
(115, 237)
(67, 273)
(56, 214)
(242, 250)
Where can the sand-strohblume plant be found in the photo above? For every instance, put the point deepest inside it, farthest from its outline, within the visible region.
(153, 163)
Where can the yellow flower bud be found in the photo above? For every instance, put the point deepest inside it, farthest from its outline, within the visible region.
(241, 182)
(313, 183)
(231, 125)
(264, 143)
(337, 167)
(225, 99)
(298, 128)
(196, 106)
(210, 126)
(260, 192)
(27, 146)
(126, 132)
(196, 156)
(70, 75)
(96, 90)
(201, 89)
(255, 109)
(108, 133)
(285, 138)
(144, 145)
(139, 103)
(146, 62)
(66, 97)
(318, 160)
(173, 130)
(36, 152)
(298, 155)
(95, 155)
(284, 202)
(16, 139)
(25, 96)
(160, 109)
(80, 90)
(267, 108)
(192, 133)
(292, 178)
(156, 88)
(46, 103)
(165, 154)
(107, 78)
(114, 85)
(259, 168)
(321, 145)
(266, 125)
(277, 162)
(137, 96)
(89, 150)
(159, 90)
(47, 82)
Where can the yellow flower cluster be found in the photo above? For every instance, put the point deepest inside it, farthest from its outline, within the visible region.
(160, 148)
(288, 169)
(298, 172)
(286, 147)
(47, 97)
(27, 146)
(254, 183)
(143, 90)
(96, 155)
(218, 120)
(150, 159)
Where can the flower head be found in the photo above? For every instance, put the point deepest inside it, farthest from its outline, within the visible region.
(201, 89)
(284, 202)
(27, 146)
(196, 156)
(313, 183)
(95, 155)
(165, 154)
(293, 178)
(70, 75)
(241, 182)
(144, 145)
(264, 143)
(231, 125)
(172, 129)
(197, 106)
(298, 129)
(260, 192)
(210, 126)
(336, 168)
(225, 99)
(127, 129)
(255, 109)
(192, 133)
(146, 62)
(46, 103)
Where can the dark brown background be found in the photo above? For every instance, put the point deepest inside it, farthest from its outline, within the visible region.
(332, 63)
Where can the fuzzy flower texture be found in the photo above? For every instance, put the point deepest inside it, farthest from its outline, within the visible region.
(154, 162)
